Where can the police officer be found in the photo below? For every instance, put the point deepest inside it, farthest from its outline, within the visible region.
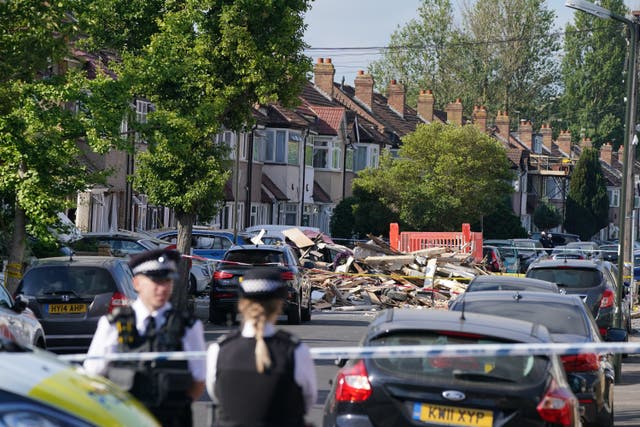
(259, 376)
(166, 388)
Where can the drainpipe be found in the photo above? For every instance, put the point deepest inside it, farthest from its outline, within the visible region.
(303, 168)
(247, 205)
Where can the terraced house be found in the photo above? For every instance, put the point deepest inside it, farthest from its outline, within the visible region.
(295, 165)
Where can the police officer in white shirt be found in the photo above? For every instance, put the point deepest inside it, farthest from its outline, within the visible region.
(166, 388)
(260, 376)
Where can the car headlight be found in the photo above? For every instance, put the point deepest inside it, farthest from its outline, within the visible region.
(34, 415)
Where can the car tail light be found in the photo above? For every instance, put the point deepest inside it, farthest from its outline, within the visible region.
(557, 406)
(221, 295)
(287, 275)
(353, 383)
(607, 299)
(603, 332)
(581, 362)
(118, 299)
(218, 275)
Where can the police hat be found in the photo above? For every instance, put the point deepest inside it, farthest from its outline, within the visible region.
(157, 264)
(263, 283)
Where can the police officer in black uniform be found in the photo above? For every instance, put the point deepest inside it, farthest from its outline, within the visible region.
(258, 376)
(167, 388)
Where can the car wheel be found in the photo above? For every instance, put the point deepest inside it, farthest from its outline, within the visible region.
(294, 314)
(606, 416)
(217, 316)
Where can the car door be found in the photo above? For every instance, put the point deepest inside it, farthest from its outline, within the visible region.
(12, 325)
(210, 246)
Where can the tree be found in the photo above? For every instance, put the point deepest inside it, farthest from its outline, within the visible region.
(546, 216)
(593, 76)
(205, 69)
(39, 131)
(587, 201)
(501, 223)
(503, 56)
(445, 175)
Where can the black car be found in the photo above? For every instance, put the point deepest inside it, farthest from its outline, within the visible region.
(569, 321)
(69, 294)
(594, 281)
(476, 390)
(223, 298)
(529, 250)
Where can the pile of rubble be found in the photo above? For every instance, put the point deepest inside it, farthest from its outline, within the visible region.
(375, 276)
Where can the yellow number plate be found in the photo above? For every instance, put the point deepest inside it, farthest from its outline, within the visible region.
(452, 415)
(67, 308)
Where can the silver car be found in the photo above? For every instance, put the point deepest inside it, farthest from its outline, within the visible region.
(17, 321)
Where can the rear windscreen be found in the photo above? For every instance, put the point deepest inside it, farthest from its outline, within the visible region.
(82, 281)
(506, 369)
(256, 257)
(568, 277)
(558, 318)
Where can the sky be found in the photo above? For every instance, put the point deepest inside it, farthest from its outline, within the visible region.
(332, 24)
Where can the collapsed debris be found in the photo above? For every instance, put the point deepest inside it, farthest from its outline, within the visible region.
(375, 276)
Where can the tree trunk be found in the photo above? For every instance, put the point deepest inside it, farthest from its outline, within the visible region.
(16, 251)
(180, 297)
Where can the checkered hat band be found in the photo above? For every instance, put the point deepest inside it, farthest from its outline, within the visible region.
(154, 265)
(254, 286)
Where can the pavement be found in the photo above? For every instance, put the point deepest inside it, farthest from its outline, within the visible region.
(627, 390)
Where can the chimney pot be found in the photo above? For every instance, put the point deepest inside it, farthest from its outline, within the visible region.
(323, 74)
(360, 72)
(426, 102)
(327, 61)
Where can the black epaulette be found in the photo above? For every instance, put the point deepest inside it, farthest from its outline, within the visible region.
(286, 335)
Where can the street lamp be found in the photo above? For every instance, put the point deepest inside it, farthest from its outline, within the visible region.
(630, 118)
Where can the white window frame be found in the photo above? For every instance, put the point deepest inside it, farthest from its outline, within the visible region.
(371, 157)
(614, 197)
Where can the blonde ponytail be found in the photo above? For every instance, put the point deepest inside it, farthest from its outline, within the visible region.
(258, 313)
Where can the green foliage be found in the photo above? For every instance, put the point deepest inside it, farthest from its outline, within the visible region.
(342, 220)
(501, 223)
(362, 214)
(587, 201)
(445, 175)
(593, 73)
(546, 216)
(502, 55)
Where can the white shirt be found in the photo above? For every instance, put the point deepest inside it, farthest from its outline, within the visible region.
(105, 340)
(304, 371)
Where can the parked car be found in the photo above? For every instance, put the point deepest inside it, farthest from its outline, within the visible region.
(529, 250)
(610, 252)
(69, 294)
(207, 243)
(492, 259)
(38, 389)
(563, 252)
(17, 321)
(509, 252)
(510, 283)
(591, 249)
(124, 243)
(569, 321)
(434, 390)
(594, 281)
(223, 298)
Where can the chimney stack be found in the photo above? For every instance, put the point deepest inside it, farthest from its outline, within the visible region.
(547, 136)
(364, 88)
(564, 142)
(525, 133)
(606, 153)
(480, 117)
(502, 122)
(585, 143)
(426, 101)
(454, 112)
(396, 98)
(323, 74)
(621, 153)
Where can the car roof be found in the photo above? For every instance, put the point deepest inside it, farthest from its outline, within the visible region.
(78, 260)
(495, 278)
(406, 319)
(258, 247)
(568, 262)
(519, 296)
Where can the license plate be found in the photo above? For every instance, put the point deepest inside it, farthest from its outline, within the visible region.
(67, 308)
(452, 415)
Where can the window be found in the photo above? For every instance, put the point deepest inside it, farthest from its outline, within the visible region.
(326, 154)
(348, 161)
(275, 146)
(335, 155)
(293, 149)
(614, 197)
(228, 138)
(142, 109)
(360, 158)
(308, 154)
(290, 213)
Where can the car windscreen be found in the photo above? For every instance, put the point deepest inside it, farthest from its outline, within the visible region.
(558, 318)
(568, 277)
(483, 369)
(256, 257)
(56, 280)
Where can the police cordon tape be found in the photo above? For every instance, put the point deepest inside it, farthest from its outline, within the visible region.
(399, 351)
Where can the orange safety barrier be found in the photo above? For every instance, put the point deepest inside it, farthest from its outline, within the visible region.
(465, 241)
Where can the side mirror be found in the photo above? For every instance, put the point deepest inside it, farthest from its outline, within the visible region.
(20, 304)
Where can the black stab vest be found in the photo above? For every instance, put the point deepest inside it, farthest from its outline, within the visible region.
(157, 383)
(248, 398)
